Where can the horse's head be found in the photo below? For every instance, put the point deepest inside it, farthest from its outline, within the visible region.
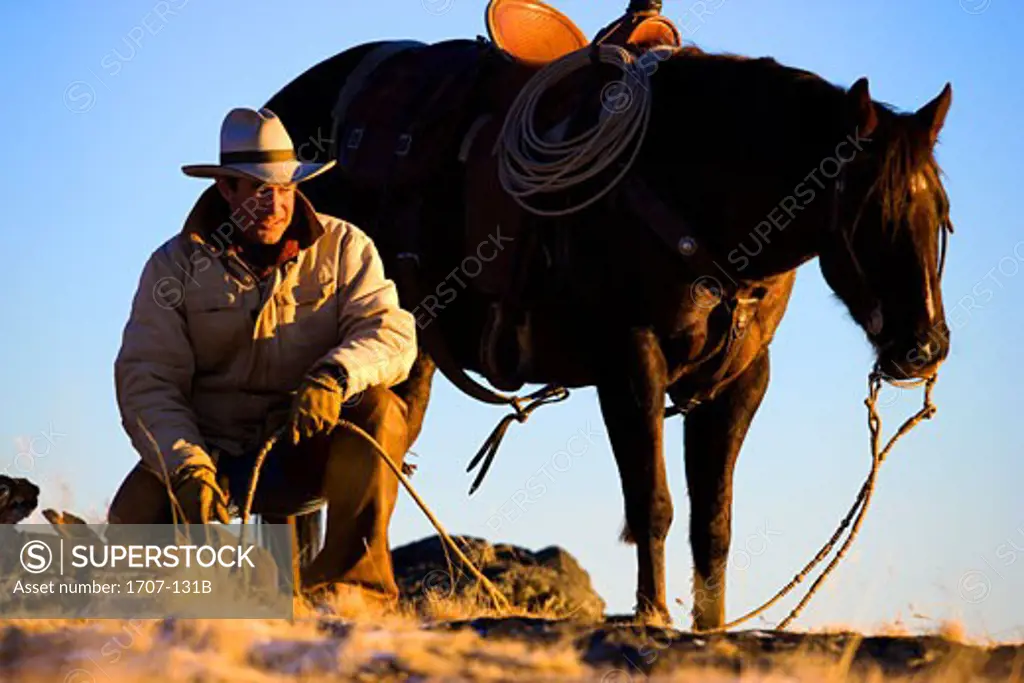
(884, 251)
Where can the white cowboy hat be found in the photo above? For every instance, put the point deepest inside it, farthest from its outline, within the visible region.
(255, 145)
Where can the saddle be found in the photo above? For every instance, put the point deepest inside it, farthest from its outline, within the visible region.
(411, 108)
(530, 34)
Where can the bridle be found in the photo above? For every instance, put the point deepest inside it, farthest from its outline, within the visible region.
(845, 236)
(845, 239)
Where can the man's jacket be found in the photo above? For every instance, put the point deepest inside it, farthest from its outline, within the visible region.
(206, 359)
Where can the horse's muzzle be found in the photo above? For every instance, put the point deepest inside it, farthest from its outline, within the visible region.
(918, 360)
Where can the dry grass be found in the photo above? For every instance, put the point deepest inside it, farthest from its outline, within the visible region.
(349, 638)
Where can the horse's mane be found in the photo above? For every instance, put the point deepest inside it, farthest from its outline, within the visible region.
(905, 152)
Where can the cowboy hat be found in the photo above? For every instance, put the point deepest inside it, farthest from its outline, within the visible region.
(255, 145)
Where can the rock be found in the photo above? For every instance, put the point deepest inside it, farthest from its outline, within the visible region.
(549, 582)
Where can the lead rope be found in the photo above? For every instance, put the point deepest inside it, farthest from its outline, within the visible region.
(860, 504)
(499, 599)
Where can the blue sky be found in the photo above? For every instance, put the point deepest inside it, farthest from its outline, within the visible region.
(105, 102)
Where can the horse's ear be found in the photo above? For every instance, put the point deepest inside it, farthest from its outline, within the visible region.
(932, 116)
(863, 108)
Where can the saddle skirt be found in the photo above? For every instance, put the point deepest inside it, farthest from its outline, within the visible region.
(403, 111)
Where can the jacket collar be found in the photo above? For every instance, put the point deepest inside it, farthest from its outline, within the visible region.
(210, 218)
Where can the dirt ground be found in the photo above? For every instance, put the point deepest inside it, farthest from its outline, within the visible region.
(400, 647)
(634, 653)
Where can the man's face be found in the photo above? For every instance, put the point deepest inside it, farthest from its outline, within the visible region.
(263, 211)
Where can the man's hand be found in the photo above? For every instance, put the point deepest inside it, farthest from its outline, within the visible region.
(201, 498)
(317, 406)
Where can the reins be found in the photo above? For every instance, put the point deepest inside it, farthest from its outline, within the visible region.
(856, 513)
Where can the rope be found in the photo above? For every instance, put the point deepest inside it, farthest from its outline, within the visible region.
(255, 478)
(529, 164)
(257, 467)
(858, 509)
(548, 394)
(172, 499)
(860, 504)
(499, 599)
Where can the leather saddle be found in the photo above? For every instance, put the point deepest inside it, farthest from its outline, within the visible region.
(530, 34)
(409, 109)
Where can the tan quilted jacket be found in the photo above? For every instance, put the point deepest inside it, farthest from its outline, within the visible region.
(207, 362)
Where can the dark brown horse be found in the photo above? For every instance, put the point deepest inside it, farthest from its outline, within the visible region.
(764, 167)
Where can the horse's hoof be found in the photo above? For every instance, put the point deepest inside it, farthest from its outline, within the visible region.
(703, 627)
(654, 616)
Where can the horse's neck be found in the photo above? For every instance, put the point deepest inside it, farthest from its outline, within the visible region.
(757, 165)
(774, 227)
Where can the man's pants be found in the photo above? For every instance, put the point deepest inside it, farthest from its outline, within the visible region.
(341, 468)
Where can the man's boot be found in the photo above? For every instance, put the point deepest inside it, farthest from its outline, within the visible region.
(361, 491)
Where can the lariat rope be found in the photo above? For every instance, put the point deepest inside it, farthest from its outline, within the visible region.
(860, 504)
(499, 599)
(530, 164)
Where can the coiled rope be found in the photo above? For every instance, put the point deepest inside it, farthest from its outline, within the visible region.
(860, 503)
(531, 163)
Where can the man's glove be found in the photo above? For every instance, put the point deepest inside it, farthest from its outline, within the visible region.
(202, 500)
(317, 405)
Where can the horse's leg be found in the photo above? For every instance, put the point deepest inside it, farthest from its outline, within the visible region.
(632, 398)
(714, 433)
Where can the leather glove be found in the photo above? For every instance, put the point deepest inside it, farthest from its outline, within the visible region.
(202, 500)
(317, 405)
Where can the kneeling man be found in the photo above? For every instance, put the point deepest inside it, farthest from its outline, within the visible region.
(264, 314)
